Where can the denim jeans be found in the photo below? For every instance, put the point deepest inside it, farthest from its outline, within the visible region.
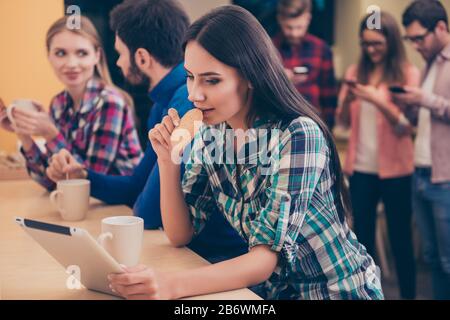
(431, 206)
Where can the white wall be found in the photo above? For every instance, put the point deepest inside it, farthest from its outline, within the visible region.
(197, 8)
(24, 69)
(347, 15)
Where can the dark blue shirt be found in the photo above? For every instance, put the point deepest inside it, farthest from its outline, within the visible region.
(141, 190)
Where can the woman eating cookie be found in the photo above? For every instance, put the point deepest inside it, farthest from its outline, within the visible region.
(286, 197)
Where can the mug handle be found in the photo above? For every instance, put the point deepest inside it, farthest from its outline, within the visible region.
(54, 196)
(9, 113)
(101, 238)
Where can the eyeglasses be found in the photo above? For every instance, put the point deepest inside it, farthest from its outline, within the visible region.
(417, 39)
(375, 44)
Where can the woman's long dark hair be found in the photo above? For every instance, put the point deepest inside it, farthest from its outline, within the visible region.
(233, 36)
(395, 60)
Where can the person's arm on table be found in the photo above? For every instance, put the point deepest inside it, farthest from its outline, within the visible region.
(147, 204)
(110, 189)
(122, 189)
(126, 189)
(142, 283)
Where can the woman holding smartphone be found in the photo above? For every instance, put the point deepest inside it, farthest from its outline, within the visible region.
(380, 151)
(291, 210)
(91, 117)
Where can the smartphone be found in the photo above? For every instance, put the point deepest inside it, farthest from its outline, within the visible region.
(350, 83)
(301, 70)
(397, 89)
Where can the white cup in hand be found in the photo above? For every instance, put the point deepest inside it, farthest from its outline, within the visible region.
(122, 238)
(21, 104)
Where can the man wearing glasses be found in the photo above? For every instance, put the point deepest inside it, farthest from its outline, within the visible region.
(426, 26)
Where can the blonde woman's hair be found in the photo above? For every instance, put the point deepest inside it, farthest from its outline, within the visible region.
(88, 31)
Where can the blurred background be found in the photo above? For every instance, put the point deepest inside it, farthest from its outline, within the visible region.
(25, 72)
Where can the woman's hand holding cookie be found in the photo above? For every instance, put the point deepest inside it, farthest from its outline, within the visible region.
(170, 137)
(159, 136)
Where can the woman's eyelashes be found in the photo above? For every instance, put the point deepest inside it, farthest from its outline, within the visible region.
(79, 53)
(60, 53)
(209, 81)
(82, 53)
(212, 81)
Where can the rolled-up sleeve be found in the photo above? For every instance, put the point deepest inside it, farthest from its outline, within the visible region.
(197, 189)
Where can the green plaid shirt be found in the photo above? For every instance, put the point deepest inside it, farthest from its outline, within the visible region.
(286, 203)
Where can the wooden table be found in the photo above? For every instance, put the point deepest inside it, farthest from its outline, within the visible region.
(28, 272)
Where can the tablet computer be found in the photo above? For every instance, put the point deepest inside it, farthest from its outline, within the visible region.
(75, 247)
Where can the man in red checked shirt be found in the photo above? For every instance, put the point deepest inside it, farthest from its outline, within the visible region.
(308, 60)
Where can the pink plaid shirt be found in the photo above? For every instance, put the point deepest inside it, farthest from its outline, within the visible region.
(101, 134)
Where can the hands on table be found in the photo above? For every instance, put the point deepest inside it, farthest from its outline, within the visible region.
(63, 165)
(140, 283)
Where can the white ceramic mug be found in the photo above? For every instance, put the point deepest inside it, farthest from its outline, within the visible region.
(71, 198)
(122, 238)
(22, 104)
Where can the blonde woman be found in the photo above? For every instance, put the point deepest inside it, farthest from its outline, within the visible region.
(91, 117)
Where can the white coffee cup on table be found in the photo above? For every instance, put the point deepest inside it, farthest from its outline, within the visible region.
(71, 198)
(122, 237)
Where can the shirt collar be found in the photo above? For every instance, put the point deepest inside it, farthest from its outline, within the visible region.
(166, 88)
(91, 97)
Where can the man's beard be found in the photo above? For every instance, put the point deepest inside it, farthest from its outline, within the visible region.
(136, 78)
